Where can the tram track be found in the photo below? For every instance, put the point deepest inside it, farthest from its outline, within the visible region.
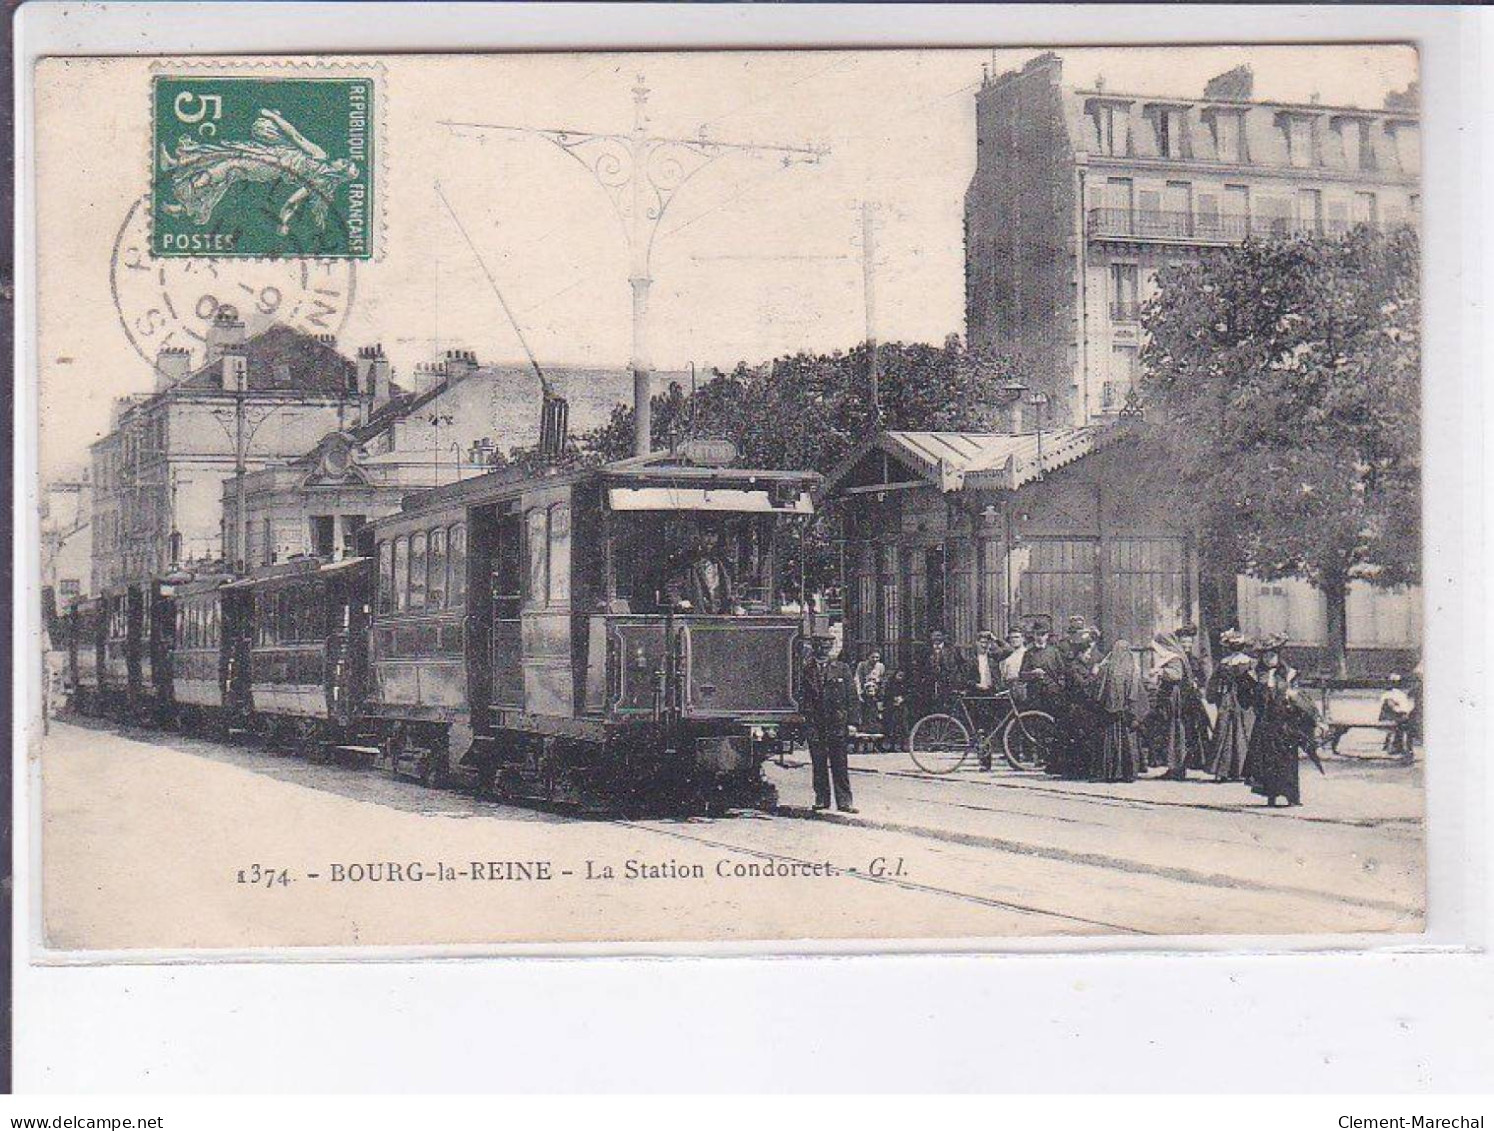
(358, 783)
(1144, 803)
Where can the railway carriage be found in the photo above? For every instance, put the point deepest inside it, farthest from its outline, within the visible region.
(199, 662)
(529, 631)
(293, 649)
(118, 655)
(85, 644)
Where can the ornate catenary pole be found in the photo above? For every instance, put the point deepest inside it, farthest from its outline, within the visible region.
(641, 173)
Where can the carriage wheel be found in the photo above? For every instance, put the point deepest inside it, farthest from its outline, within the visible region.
(1029, 739)
(939, 744)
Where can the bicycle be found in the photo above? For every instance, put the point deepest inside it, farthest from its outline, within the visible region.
(939, 743)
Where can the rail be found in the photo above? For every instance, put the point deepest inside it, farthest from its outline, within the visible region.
(1197, 228)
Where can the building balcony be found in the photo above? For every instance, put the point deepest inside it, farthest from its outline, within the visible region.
(1187, 228)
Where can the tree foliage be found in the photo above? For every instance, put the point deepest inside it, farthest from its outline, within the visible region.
(1287, 375)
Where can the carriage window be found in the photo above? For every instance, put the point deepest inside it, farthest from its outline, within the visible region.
(539, 556)
(215, 623)
(435, 574)
(457, 552)
(401, 572)
(386, 576)
(560, 553)
(417, 570)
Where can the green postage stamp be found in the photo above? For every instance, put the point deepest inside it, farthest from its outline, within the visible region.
(263, 167)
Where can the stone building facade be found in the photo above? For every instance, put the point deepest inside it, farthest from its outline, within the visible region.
(1079, 196)
(66, 532)
(158, 474)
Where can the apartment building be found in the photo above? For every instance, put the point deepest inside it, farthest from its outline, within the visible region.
(1080, 196)
(158, 474)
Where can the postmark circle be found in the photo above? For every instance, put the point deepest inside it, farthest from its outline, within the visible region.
(170, 302)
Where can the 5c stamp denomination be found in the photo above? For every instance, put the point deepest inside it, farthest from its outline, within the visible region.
(263, 167)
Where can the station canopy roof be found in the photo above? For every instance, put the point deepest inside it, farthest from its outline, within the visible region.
(955, 461)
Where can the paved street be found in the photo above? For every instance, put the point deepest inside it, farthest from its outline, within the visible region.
(148, 835)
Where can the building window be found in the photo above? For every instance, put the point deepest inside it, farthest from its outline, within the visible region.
(1171, 132)
(323, 535)
(1124, 289)
(1177, 208)
(1111, 127)
(1359, 150)
(267, 548)
(1366, 208)
(351, 524)
(1310, 211)
(1227, 137)
(1297, 129)
(68, 587)
(1123, 372)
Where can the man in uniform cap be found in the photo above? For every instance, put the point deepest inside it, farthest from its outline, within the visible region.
(829, 700)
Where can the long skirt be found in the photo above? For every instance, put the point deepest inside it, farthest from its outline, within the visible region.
(1119, 750)
(1231, 738)
(1274, 762)
(1178, 737)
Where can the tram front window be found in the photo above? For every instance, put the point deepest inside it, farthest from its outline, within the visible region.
(686, 563)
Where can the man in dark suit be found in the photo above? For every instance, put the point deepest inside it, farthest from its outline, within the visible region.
(829, 700)
(942, 675)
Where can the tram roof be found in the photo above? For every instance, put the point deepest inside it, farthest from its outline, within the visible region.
(657, 470)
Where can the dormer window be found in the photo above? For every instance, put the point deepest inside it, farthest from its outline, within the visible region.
(1170, 126)
(1112, 124)
(1406, 140)
(1359, 149)
(1297, 130)
(1229, 135)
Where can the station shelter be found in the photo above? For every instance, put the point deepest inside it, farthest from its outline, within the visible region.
(966, 532)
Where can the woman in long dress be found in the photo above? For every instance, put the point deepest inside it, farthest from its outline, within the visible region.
(1232, 691)
(1181, 726)
(1284, 729)
(1121, 695)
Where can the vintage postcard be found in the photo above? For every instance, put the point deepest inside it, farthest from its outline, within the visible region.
(917, 498)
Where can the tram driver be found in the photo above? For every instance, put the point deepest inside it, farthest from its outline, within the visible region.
(702, 583)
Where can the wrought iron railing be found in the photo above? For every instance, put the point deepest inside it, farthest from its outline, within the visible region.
(1188, 227)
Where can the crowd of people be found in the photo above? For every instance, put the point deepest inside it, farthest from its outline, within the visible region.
(1244, 721)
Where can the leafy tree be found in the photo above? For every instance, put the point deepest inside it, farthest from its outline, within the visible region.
(1287, 375)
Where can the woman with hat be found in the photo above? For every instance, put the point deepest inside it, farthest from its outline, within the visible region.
(1285, 727)
(1232, 691)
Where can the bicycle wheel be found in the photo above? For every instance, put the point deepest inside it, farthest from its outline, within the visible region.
(938, 744)
(1028, 739)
